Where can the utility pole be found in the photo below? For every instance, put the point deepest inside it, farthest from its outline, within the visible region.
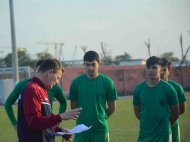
(60, 51)
(181, 45)
(13, 39)
(73, 58)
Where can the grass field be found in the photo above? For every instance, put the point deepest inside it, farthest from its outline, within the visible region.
(123, 125)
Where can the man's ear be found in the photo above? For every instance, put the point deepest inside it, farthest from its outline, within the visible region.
(49, 72)
(170, 70)
(100, 63)
(161, 70)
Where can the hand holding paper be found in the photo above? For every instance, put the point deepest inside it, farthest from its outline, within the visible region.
(77, 129)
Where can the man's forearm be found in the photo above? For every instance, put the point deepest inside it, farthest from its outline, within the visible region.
(182, 107)
(174, 118)
(111, 108)
(73, 105)
(175, 113)
(137, 112)
(109, 112)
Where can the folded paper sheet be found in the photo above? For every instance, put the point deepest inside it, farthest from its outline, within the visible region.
(77, 129)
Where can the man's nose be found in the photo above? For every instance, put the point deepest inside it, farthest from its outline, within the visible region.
(91, 67)
(150, 70)
(57, 82)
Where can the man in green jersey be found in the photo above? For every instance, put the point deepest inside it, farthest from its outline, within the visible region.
(166, 70)
(96, 94)
(55, 92)
(153, 100)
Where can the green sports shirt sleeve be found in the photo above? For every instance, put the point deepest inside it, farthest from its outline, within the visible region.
(111, 90)
(60, 98)
(73, 91)
(136, 101)
(181, 95)
(179, 90)
(14, 95)
(171, 94)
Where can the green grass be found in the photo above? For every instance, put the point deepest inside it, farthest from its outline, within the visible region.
(123, 125)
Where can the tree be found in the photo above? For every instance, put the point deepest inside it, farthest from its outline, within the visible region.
(7, 61)
(148, 46)
(183, 56)
(169, 56)
(23, 59)
(124, 57)
(106, 55)
(2, 63)
(44, 55)
(107, 60)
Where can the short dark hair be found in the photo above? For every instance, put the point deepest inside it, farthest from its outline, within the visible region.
(166, 62)
(38, 63)
(53, 64)
(152, 61)
(90, 56)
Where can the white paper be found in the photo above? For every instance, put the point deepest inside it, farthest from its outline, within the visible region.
(77, 129)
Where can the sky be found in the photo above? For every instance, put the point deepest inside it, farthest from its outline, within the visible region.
(122, 26)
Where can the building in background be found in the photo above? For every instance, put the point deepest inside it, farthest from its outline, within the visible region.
(133, 62)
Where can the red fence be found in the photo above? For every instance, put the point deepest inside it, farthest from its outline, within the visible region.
(126, 77)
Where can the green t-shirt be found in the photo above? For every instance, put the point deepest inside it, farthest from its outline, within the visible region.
(14, 95)
(154, 105)
(92, 95)
(180, 95)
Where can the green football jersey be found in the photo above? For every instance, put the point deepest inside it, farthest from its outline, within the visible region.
(92, 95)
(154, 105)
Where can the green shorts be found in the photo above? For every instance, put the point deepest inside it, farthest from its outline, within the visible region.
(91, 137)
(159, 138)
(176, 134)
